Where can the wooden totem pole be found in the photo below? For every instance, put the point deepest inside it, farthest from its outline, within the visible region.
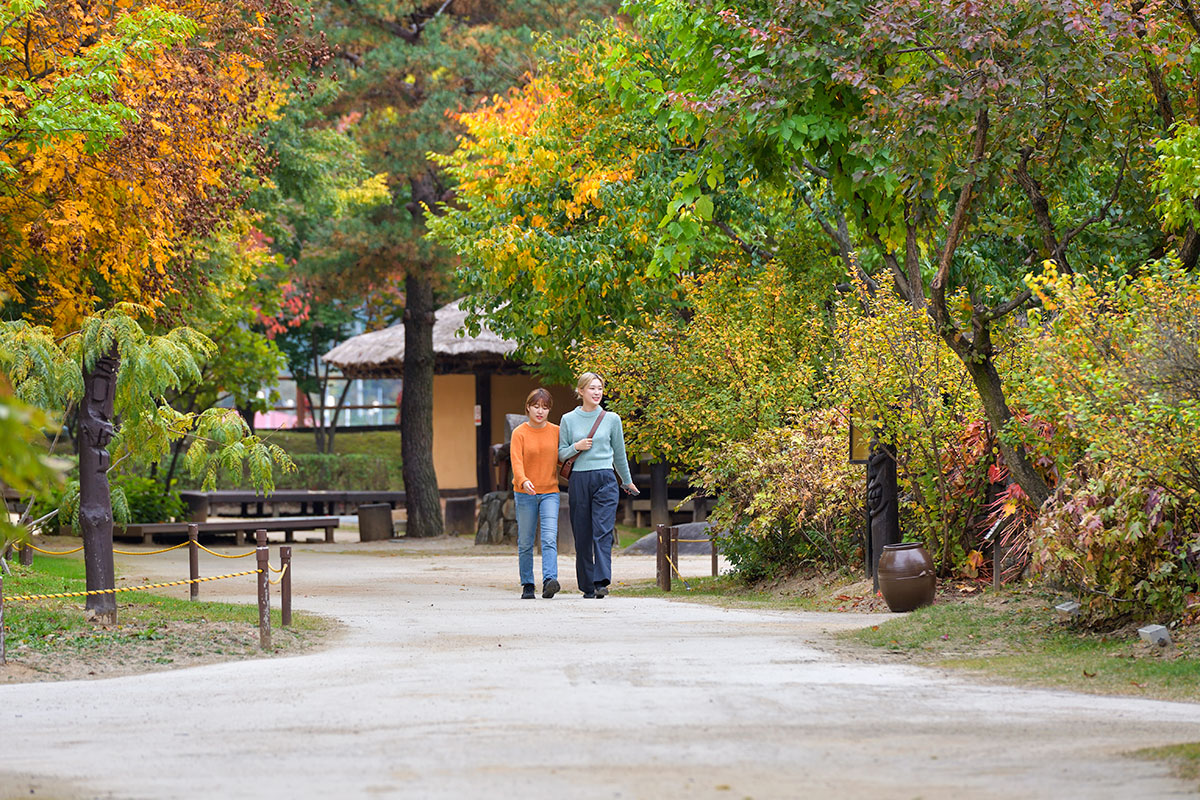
(95, 499)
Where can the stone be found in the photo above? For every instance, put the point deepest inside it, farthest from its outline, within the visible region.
(1068, 609)
(688, 531)
(1155, 634)
(491, 524)
(511, 423)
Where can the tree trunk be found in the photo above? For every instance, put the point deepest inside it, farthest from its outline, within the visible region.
(416, 412)
(95, 499)
(991, 391)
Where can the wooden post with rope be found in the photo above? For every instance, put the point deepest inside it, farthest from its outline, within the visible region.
(264, 589)
(26, 555)
(673, 534)
(193, 560)
(285, 585)
(2, 661)
(663, 568)
(714, 554)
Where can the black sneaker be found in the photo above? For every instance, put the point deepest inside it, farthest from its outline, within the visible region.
(589, 595)
(527, 591)
(601, 591)
(550, 587)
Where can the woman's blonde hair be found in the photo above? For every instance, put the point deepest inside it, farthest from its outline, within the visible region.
(584, 380)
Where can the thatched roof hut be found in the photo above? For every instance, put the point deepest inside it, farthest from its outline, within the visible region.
(380, 354)
(476, 384)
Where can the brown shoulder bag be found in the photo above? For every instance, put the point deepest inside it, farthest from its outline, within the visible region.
(564, 467)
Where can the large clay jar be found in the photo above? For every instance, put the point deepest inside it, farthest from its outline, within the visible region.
(906, 577)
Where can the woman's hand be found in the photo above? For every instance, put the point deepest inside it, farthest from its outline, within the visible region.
(584, 444)
(633, 490)
(528, 487)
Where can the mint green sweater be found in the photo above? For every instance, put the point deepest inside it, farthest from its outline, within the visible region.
(608, 445)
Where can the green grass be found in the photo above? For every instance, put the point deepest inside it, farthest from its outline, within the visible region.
(57, 624)
(627, 535)
(371, 443)
(1023, 642)
(1183, 758)
(724, 590)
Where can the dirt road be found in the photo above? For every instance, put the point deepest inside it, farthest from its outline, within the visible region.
(446, 684)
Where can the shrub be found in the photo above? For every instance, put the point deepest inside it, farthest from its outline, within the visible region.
(788, 497)
(343, 471)
(1129, 547)
(1116, 371)
(145, 501)
(902, 380)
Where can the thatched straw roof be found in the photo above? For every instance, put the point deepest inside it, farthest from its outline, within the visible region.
(380, 354)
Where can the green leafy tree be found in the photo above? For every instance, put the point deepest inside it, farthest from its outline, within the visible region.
(958, 142)
(403, 66)
(50, 372)
(570, 205)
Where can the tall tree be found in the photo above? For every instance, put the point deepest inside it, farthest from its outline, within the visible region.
(964, 142)
(405, 65)
(127, 135)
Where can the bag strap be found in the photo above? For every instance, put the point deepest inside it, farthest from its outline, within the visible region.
(591, 433)
(596, 426)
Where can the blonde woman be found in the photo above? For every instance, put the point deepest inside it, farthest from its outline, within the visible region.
(534, 453)
(597, 441)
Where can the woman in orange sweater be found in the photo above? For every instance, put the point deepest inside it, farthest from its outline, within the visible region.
(534, 453)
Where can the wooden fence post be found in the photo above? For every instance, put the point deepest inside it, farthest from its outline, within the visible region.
(2, 661)
(264, 589)
(714, 554)
(193, 561)
(285, 586)
(673, 533)
(662, 568)
(996, 561)
(26, 557)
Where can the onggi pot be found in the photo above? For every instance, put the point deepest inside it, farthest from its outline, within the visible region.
(906, 577)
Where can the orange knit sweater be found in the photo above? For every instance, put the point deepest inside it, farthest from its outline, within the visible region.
(534, 454)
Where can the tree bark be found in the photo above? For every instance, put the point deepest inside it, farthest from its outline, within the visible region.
(976, 352)
(991, 391)
(95, 498)
(416, 412)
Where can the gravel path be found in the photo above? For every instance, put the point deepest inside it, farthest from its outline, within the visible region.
(446, 684)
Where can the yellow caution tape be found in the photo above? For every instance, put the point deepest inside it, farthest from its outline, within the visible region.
(222, 555)
(33, 546)
(677, 572)
(150, 552)
(24, 597)
(282, 572)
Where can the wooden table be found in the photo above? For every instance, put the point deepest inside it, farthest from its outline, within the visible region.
(239, 528)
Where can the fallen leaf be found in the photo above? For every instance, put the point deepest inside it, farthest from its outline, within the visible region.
(1087, 674)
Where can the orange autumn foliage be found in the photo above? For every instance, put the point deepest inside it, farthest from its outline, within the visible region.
(86, 226)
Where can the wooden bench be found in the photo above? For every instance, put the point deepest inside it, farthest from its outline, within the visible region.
(318, 502)
(239, 528)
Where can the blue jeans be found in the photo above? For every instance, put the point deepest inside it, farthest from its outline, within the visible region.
(530, 509)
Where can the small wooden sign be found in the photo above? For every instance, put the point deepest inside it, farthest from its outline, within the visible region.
(860, 444)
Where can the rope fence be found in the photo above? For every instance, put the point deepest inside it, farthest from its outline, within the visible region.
(262, 571)
(667, 555)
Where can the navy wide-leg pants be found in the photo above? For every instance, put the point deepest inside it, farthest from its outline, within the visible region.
(593, 497)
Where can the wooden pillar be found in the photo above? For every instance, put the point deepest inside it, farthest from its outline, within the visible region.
(95, 499)
(483, 433)
(660, 513)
